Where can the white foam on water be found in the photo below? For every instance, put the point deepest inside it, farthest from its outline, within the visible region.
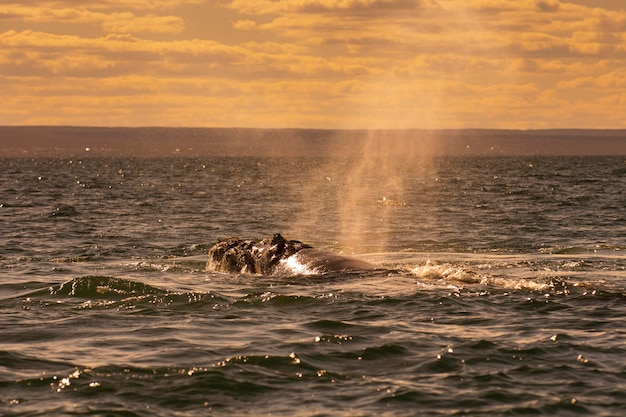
(459, 274)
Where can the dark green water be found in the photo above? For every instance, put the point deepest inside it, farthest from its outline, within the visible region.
(502, 288)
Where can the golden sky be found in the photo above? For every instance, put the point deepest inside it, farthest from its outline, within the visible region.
(314, 63)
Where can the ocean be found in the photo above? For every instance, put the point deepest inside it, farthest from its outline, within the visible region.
(500, 288)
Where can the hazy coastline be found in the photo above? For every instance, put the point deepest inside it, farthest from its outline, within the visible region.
(45, 141)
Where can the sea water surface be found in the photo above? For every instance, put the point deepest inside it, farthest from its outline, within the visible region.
(501, 289)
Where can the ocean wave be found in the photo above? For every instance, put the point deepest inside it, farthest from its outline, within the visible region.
(583, 250)
(64, 211)
(105, 292)
(104, 287)
(274, 299)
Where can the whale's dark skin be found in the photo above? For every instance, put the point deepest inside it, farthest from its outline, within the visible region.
(263, 257)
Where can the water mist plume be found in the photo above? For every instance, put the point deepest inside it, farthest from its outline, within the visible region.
(361, 183)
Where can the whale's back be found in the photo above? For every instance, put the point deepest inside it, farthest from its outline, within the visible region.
(323, 261)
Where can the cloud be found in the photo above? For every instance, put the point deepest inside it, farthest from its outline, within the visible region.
(106, 4)
(260, 7)
(612, 80)
(117, 22)
(126, 54)
(320, 63)
(548, 5)
(245, 24)
(128, 23)
(322, 6)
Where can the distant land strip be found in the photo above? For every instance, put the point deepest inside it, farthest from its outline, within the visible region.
(70, 141)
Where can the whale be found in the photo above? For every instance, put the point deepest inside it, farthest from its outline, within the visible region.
(278, 256)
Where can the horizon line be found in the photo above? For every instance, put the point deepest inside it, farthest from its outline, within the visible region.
(356, 129)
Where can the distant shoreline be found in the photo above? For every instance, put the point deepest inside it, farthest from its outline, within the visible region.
(85, 141)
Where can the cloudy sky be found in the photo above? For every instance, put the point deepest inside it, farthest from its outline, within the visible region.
(314, 63)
